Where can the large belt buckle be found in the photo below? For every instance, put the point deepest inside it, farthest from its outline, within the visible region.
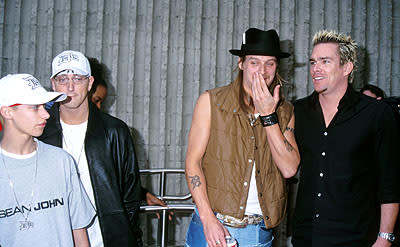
(254, 219)
(232, 221)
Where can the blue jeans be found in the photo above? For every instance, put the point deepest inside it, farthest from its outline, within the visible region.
(251, 235)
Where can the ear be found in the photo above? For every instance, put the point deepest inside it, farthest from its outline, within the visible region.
(5, 112)
(240, 63)
(91, 80)
(348, 67)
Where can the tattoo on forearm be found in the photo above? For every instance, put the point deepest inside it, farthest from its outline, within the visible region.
(289, 129)
(195, 181)
(289, 147)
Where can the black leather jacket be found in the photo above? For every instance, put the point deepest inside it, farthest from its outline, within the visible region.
(113, 171)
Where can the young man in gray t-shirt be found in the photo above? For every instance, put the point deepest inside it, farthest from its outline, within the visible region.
(43, 202)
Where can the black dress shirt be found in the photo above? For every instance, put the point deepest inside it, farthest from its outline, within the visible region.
(347, 170)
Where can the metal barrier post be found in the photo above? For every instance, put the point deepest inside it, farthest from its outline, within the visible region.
(173, 207)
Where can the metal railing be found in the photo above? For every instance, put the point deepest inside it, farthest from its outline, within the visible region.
(161, 195)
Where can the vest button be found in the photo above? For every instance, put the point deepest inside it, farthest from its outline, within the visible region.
(258, 171)
(260, 194)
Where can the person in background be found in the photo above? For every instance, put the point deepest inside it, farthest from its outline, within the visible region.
(373, 91)
(1, 128)
(97, 95)
(43, 202)
(241, 149)
(103, 151)
(349, 155)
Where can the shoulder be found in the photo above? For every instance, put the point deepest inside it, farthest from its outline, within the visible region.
(302, 101)
(108, 122)
(55, 156)
(52, 150)
(220, 90)
(286, 105)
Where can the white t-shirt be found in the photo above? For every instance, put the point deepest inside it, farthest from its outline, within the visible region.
(73, 143)
(252, 204)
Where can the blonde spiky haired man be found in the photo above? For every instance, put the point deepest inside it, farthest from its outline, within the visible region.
(349, 162)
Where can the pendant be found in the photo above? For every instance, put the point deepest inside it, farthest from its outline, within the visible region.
(25, 225)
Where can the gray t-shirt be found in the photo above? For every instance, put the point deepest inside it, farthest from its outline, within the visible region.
(59, 201)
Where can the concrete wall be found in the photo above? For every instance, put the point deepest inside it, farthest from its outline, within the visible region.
(162, 54)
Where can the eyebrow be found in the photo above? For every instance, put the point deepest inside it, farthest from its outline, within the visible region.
(271, 59)
(320, 58)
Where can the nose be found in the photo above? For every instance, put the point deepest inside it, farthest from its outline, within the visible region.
(262, 69)
(43, 112)
(316, 67)
(71, 85)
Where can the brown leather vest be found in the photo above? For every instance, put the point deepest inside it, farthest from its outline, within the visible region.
(228, 161)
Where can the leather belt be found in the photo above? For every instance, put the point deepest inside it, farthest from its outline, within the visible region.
(239, 223)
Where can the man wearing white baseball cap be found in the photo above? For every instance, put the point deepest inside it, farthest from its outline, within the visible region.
(42, 196)
(103, 150)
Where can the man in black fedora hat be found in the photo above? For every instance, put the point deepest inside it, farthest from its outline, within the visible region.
(241, 148)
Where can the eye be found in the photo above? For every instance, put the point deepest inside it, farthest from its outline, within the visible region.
(312, 63)
(325, 61)
(35, 107)
(63, 80)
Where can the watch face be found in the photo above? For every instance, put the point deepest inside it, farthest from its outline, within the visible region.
(391, 238)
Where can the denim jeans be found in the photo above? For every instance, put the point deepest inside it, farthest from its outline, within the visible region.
(251, 235)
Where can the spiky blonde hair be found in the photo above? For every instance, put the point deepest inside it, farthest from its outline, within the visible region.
(347, 47)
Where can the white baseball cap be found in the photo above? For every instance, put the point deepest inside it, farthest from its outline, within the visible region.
(70, 62)
(25, 89)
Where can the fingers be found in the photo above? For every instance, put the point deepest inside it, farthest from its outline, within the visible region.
(276, 93)
(215, 233)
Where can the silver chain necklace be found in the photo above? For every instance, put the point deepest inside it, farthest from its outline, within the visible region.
(26, 224)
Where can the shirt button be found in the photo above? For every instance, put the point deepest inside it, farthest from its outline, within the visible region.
(323, 153)
(252, 137)
(316, 215)
(321, 174)
(241, 207)
(325, 133)
(319, 194)
(245, 183)
(250, 160)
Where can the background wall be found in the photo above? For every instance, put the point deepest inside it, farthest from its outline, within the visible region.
(162, 54)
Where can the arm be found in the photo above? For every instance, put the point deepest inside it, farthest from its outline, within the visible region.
(283, 145)
(284, 148)
(388, 219)
(197, 143)
(130, 180)
(387, 157)
(80, 237)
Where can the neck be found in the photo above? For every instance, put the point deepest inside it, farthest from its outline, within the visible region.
(74, 115)
(17, 144)
(332, 100)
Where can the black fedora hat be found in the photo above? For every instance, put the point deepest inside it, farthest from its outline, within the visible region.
(260, 42)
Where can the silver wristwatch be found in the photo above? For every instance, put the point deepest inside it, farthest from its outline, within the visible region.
(388, 236)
